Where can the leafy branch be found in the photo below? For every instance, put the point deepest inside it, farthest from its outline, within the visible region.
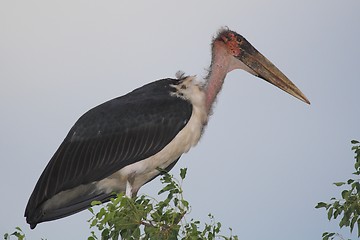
(17, 233)
(144, 217)
(348, 206)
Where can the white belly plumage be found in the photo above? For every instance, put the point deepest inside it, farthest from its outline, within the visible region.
(132, 177)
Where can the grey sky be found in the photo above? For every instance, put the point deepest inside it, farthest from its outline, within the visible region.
(265, 159)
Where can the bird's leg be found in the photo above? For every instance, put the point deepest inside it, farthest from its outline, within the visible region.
(130, 191)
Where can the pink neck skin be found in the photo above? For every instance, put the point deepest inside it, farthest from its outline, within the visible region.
(222, 63)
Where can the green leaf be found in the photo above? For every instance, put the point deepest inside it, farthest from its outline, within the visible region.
(352, 223)
(337, 213)
(321, 205)
(165, 189)
(343, 221)
(330, 213)
(94, 222)
(183, 173)
(94, 203)
(356, 185)
(354, 142)
(345, 194)
(339, 183)
(350, 181)
(357, 165)
(91, 210)
(326, 235)
(105, 234)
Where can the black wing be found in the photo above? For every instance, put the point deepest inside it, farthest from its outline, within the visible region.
(111, 136)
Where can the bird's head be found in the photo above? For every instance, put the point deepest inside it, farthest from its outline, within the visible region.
(245, 56)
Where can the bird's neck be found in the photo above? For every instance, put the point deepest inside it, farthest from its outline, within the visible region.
(220, 66)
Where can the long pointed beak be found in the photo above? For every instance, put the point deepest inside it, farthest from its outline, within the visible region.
(263, 68)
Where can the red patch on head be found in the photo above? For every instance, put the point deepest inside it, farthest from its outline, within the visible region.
(231, 43)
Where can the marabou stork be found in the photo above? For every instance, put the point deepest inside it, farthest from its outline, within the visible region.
(119, 145)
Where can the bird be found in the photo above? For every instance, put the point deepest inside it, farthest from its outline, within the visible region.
(122, 144)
